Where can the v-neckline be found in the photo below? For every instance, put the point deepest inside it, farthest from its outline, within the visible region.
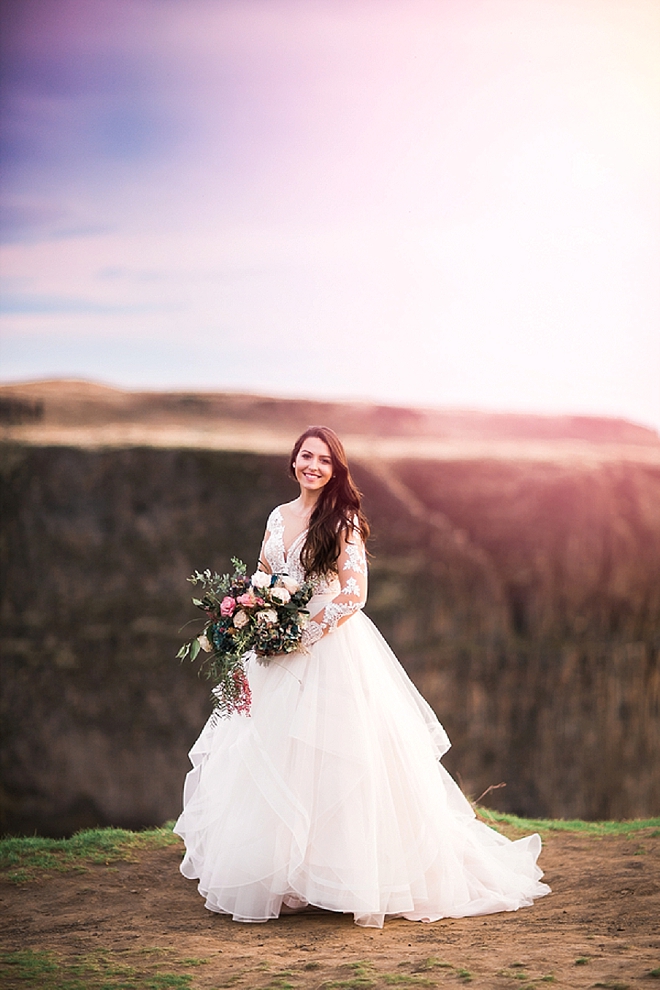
(286, 553)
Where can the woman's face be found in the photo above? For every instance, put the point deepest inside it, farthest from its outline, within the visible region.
(313, 465)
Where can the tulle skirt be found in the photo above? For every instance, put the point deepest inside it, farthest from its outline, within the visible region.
(331, 794)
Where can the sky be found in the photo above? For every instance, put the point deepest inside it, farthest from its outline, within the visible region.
(451, 203)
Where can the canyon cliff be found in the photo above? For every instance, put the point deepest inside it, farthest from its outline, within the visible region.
(520, 591)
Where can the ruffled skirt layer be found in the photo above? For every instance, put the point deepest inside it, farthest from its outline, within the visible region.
(331, 794)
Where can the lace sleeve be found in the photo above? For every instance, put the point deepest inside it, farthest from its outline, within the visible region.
(352, 571)
(263, 563)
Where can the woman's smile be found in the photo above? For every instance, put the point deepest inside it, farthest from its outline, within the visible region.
(313, 465)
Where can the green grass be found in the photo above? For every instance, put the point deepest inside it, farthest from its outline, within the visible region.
(599, 829)
(363, 977)
(100, 970)
(26, 858)
(432, 962)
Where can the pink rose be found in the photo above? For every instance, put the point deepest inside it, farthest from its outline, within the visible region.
(227, 606)
(248, 600)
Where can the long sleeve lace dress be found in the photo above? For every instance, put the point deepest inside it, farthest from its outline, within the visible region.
(332, 792)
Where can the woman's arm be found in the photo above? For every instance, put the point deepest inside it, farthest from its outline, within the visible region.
(352, 571)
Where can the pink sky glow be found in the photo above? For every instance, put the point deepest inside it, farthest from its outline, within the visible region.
(440, 202)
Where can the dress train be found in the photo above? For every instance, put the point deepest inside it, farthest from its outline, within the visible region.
(331, 794)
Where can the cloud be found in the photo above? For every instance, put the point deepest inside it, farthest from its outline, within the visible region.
(12, 303)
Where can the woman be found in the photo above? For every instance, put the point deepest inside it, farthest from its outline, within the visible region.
(331, 794)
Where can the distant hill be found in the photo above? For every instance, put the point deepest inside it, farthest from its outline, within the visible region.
(83, 414)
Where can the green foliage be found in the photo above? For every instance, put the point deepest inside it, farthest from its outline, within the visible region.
(25, 858)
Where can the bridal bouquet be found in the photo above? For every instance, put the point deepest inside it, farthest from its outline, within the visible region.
(263, 615)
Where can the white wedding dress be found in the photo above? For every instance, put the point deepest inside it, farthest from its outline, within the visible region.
(331, 792)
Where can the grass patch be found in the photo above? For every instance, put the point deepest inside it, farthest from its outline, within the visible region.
(101, 970)
(515, 971)
(363, 976)
(432, 962)
(576, 825)
(407, 980)
(26, 858)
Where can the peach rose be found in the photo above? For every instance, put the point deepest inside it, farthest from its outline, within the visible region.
(241, 619)
(268, 616)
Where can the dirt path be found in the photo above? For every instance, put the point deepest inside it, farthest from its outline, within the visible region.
(599, 928)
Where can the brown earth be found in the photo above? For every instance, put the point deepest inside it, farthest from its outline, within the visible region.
(599, 928)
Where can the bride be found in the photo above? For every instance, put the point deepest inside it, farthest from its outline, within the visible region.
(331, 793)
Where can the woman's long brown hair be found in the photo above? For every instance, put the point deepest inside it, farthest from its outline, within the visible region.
(338, 511)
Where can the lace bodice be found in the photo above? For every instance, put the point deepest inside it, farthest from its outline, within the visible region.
(288, 562)
(348, 585)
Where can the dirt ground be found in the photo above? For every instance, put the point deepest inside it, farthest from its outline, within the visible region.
(599, 928)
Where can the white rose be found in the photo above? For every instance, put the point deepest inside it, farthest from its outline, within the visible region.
(260, 579)
(204, 642)
(268, 616)
(281, 594)
(290, 584)
(241, 619)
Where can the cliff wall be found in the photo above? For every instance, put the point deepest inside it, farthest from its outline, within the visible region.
(524, 600)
